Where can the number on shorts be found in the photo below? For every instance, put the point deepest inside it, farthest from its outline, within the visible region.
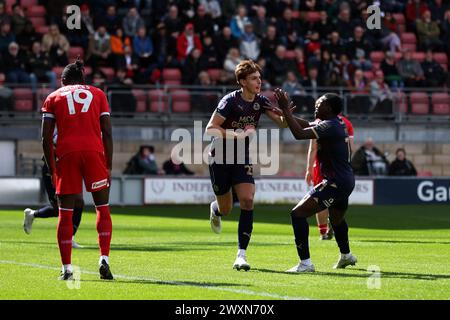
(86, 102)
(249, 169)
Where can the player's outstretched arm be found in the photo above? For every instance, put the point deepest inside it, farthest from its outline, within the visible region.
(299, 131)
(105, 125)
(48, 127)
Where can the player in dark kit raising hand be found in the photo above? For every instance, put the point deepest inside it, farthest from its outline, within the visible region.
(333, 155)
(236, 118)
(83, 152)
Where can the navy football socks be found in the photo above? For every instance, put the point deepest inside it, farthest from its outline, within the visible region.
(341, 235)
(301, 233)
(245, 228)
(46, 212)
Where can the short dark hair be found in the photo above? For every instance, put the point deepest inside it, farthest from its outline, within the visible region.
(400, 149)
(334, 101)
(73, 73)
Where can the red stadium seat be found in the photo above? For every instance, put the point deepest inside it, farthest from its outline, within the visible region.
(440, 57)
(74, 52)
(109, 73)
(408, 37)
(295, 14)
(42, 29)
(269, 94)
(171, 76)
(58, 71)
(37, 22)
(418, 97)
(181, 101)
(141, 100)
(419, 56)
(41, 95)
(377, 56)
(159, 101)
(28, 3)
(424, 174)
(441, 103)
(400, 102)
(399, 18)
(214, 74)
(420, 108)
(397, 56)
(23, 99)
(410, 46)
(419, 103)
(313, 16)
(36, 11)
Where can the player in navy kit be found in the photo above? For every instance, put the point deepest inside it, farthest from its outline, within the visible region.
(236, 119)
(333, 155)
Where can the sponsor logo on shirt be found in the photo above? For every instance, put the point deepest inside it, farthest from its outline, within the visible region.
(100, 184)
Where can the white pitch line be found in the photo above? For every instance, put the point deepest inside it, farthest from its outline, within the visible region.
(157, 281)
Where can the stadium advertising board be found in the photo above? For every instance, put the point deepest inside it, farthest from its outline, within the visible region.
(199, 191)
(412, 191)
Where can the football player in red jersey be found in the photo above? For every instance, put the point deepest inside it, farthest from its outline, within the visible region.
(83, 152)
(314, 177)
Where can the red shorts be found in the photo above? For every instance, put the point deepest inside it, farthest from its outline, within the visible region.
(317, 176)
(74, 167)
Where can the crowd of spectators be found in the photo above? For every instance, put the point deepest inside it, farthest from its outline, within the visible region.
(139, 38)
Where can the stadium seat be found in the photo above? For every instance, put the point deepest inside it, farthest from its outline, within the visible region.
(42, 29)
(74, 52)
(28, 3)
(295, 14)
(171, 76)
(158, 101)
(269, 94)
(419, 103)
(400, 102)
(312, 16)
(398, 56)
(408, 37)
(181, 101)
(441, 103)
(214, 74)
(23, 99)
(58, 71)
(377, 56)
(141, 100)
(36, 11)
(424, 174)
(41, 95)
(419, 56)
(399, 18)
(440, 57)
(109, 73)
(37, 22)
(410, 46)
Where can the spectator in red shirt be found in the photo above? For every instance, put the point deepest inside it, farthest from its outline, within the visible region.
(187, 41)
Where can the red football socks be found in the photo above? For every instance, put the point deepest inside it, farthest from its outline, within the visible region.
(323, 228)
(64, 234)
(104, 228)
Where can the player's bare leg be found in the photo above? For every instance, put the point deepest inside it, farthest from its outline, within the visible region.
(65, 233)
(245, 193)
(326, 232)
(220, 207)
(340, 228)
(104, 229)
(307, 207)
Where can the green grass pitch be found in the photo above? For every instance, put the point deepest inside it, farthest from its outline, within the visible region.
(169, 252)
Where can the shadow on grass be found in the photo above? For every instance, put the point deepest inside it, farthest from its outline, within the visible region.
(404, 241)
(365, 274)
(169, 283)
(412, 217)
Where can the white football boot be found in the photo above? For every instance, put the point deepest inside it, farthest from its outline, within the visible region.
(345, 260)
(75, 245)
(28, 220)
(215, 221)
(301, 268)
(241, 263)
